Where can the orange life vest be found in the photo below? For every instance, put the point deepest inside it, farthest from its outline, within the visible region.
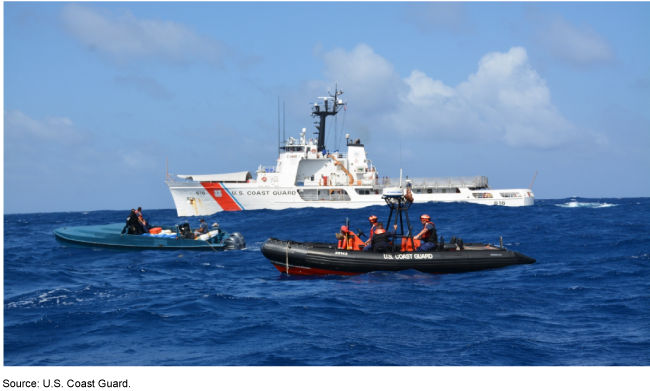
(406, 244)
(425, 236)
(353, 242)
(372, 230)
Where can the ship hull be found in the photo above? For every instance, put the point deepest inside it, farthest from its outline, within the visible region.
(206, 198)
(297, 258)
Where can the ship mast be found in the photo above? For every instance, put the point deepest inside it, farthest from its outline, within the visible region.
(331, 108)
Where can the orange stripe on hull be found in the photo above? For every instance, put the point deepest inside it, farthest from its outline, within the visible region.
(311, 271)
(226, 201)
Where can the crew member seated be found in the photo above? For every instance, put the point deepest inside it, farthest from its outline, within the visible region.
(380, 241)
(203, 229)
(428, 235)
(373, 226)
(144, 224)
(348, 240)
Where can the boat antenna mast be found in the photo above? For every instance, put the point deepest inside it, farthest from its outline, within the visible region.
(332, 105)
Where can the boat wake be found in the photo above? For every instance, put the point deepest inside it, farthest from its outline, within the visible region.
(576, 204)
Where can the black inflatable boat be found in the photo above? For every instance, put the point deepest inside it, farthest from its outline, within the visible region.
(326, 258)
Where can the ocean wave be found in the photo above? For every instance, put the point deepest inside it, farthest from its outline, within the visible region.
(583, 303)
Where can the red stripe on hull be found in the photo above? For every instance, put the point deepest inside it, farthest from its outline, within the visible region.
(311, 271)
(226, 202)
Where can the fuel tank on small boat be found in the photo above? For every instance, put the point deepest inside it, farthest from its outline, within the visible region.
(309, 258)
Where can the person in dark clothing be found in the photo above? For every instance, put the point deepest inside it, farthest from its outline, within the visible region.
(133, 224)
(380, 241)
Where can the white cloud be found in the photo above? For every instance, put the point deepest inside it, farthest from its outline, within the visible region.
(125, 37)
(61, 130)
(374, 78)
(38, 145)
(577, 46)
(505, 100)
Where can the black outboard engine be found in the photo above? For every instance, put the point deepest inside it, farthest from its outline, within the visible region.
(235, 242)
(441, 244)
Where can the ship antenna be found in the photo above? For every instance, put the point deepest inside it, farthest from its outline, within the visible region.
(531, 183)
(279, 150)
(400, 164)
(323, 114)
(284, 119)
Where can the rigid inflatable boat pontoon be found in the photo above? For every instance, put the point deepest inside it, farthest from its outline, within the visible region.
(308, 258)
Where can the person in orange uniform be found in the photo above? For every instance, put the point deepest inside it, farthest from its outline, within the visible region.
(428, 235)
(348, 240)
(373, 227)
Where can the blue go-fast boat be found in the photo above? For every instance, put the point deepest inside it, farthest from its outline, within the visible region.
(169, 238)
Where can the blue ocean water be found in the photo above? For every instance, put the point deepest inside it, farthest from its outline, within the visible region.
(585, 302)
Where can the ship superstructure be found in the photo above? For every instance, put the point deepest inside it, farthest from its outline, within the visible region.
(306, 174)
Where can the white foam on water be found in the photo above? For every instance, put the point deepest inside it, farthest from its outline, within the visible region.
(576, 204)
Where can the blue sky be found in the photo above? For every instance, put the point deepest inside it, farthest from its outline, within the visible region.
(98, 95)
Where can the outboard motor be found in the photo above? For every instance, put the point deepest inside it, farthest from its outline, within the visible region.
(241, 239)
(441, 244)
(459, 243)
(452, 240)
(235, 242)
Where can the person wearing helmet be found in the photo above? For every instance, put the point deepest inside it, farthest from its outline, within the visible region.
(348, 240)
(373, 227)
(428, 236)
(381, 239)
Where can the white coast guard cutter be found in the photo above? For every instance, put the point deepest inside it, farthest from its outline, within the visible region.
(307, 175)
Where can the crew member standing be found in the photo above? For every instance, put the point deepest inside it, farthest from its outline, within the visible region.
(428, 235)
(373, 227)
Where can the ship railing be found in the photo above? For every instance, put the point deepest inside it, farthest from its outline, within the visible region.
(475, 182)
(176, 178)
(267, 169)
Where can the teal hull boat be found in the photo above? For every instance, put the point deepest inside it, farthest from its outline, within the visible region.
(115, 236)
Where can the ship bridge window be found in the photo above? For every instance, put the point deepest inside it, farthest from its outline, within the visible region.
(482, 195)
(324, 195)
(510, 195)
(364, 191)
